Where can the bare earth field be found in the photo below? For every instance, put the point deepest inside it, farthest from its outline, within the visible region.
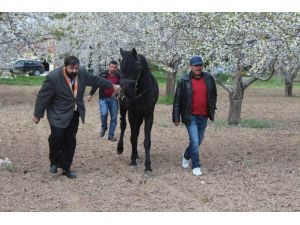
(245, 169)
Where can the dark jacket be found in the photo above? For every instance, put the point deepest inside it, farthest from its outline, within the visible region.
(104, 74)
(183, 98)
(56, 97)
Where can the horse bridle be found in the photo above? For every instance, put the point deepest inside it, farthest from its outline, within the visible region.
(134, 81)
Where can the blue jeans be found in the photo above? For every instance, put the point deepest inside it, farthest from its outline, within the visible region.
(196, 131)
(111, 105)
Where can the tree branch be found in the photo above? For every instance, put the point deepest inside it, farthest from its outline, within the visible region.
(247, 83)
(256, 77)
(228, 89)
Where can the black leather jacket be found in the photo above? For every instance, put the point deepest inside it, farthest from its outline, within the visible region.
(101, 91)
(183, 98)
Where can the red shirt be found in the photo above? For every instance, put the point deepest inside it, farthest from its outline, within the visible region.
(114, 79)
(199, 100)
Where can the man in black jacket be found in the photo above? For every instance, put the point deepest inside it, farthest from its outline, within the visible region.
(62, 96)
(107, 101)
(195, 102)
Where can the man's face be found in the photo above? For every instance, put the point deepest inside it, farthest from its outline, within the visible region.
(72, 70)
(113, 68)
(197, 69)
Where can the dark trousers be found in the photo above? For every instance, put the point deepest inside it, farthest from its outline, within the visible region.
(62, 144)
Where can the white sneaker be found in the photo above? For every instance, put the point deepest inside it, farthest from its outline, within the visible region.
(197, 171)
(185, 163)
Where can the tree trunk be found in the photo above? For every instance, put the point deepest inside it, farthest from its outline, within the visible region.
(289, 77)
(170, 88)
(236, 95)
(235, 108)
(288, 89)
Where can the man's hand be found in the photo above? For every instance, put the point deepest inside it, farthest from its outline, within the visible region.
(176, 123)
(35, 120)
(116, 88)
(89, 98)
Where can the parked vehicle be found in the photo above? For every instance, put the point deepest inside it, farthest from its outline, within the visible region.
(31, 67)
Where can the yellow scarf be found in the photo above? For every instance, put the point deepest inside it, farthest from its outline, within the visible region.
(68, 81)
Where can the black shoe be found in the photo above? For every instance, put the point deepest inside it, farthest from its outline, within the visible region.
(53, 169)
(102, 133)
(69, 174)
(112, 139)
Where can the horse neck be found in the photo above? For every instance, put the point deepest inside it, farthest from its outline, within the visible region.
(145, 80)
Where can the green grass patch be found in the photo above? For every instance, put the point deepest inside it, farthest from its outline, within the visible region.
(165, 100)
(220, 123)
(258, 124)
(247, 123)
(158, 73)
(23, 80)
(160, 76)
(274, 82)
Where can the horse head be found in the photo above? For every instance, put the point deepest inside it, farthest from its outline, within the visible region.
(132, 70)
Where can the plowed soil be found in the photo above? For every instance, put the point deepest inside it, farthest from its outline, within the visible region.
(245, 169)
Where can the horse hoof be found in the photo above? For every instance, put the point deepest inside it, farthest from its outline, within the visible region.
(148, 173)
(133, 164)
(120, 150)
(138, 160)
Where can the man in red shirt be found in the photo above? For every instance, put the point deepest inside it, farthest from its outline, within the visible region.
(194, 102)
(107, 101)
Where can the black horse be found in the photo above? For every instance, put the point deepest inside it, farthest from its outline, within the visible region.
(138, 96)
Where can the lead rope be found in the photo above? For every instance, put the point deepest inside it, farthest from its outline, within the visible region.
(116, 95)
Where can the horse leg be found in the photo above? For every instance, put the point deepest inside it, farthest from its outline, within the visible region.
(147, 141)
(123, 112)
(135, 124)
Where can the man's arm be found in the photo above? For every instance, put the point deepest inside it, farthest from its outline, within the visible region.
(215, 91)
(43, 98)
(176, 104)
(100, 82)
(96, 81)
(93, 90)
(214, 88)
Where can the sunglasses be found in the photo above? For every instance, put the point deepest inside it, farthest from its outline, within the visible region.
(199, 65)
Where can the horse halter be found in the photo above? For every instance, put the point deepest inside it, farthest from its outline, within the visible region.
(139, 67)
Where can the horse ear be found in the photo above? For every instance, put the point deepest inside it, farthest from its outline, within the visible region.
(134, 53)
(121, 51)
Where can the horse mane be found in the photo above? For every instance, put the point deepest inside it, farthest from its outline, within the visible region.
(145, 64)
